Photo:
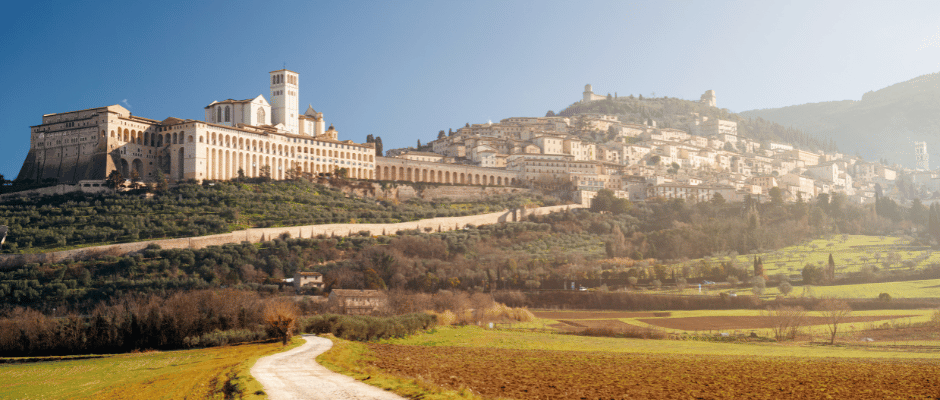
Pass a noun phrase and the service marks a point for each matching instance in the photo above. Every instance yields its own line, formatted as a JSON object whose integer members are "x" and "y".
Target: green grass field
{"x": 850, "y": 253}
{"x": 917, "y": 289}
{"x": 919, "y": 316}
{"x": 477, "y": 337}
{"x": 202, "y": 373}
{"x": 897, "y": 290}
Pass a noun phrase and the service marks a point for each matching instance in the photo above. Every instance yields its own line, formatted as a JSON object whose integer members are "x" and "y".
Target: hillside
{"x": 884, "y": 124}
{"x": 79, "y": 220}
{"x": 677, "y": 113}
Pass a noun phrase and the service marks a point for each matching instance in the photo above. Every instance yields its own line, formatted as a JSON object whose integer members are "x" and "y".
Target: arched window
{"x": 260, "y": 116}
{"x": 218, "y": 114}
{"x": 228, "y": 114}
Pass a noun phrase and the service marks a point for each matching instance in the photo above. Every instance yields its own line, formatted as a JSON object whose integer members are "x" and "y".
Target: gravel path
{"x": 295, "y": 374}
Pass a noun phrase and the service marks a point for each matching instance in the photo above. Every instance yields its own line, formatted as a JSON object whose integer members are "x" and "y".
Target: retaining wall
{"x": 8, "y": 261}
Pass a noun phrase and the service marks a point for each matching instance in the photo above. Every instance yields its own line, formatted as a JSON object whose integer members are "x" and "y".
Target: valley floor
{"x": 532, "y": 360}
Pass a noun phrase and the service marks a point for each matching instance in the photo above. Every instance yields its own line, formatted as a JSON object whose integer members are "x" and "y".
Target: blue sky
{"x": 407, "y": 69}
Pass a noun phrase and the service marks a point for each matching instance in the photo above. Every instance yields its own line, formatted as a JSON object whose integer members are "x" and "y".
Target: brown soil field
{"x": 712, "y": 323}
{"x": 597, "y": 314}
{"x": 578, "y": 325}
{"x": 907, "y": 333}
{"x": 538, "y": 374}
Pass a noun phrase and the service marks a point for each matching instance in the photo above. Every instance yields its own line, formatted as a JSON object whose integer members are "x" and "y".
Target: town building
{"x": 358, "y": 301}
{"x": 921, "y": 156}
{"x": 238, "y": 137}
{"x": 307, "y": 280}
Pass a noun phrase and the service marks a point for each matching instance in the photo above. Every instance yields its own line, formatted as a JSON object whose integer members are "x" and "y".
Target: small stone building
{"x": 357, "y": 301}
{"x": 304, "y": 280}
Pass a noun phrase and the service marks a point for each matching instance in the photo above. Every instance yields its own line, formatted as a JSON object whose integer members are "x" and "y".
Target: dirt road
{"x": 295, "y": 374}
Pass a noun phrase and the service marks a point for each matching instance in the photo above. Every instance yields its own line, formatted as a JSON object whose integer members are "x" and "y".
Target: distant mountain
{"x": 670, "y": 112}
{"x": 884, "y": 124}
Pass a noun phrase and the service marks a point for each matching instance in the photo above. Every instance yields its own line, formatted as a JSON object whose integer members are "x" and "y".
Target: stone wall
{"x": 407, "y": 191}
{"x": 58, "y": 189}
{"x": 8, "y": 261}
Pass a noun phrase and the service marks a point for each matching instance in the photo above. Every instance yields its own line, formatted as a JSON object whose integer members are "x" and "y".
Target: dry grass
{"x": 218, "y": 372}
{"x": 494, "y": 312}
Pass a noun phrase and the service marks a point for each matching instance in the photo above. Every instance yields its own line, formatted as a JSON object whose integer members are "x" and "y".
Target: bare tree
{"x": 835, "y": 312}
{"x": 786, "y": 321}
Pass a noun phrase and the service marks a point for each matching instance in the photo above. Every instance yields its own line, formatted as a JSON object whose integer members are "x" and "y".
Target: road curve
{"x": 295, "y": 374}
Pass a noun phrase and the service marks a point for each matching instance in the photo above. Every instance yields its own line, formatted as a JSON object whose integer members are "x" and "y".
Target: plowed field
{"x": 540, "y": 374}
{"x": 556, "y": 315}
{"x": 594, "y": 324}
{"x": 747, "y": 322}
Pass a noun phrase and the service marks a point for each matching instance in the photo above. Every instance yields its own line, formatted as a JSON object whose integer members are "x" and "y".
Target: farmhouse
{"x": 358, "y": 302}
{"x": 308, "y": 280}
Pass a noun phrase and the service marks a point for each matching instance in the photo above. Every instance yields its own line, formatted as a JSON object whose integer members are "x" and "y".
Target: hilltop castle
{"x": 707, "y": 98}
{"x": 249, "y": 135}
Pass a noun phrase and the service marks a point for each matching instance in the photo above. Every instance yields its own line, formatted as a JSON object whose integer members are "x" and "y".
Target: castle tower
{"x": 284, "y": 99}
{"x": 588, "y": 93}
{"x": 920, "y": 153}
{"x": 709, "y": 98}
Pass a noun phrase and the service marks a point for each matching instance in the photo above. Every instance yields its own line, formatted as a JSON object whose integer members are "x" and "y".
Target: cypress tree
{"x": 832, "y": 268}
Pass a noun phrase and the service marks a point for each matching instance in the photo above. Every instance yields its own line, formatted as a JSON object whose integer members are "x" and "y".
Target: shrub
{"x": 884, "y": 297}
{"x": 366, "y": 328}
{"x": 758, "y": 285}
{"x": 681, "y": 283}
{"x": 280, "y": 315}
{"x": 632, "y": 281}
{"x": 224, "y": 338}
{"x": 785, "y": 288}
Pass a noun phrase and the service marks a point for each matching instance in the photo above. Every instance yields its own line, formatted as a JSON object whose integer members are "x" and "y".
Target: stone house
{"x": 358, "y": 301}
{"x": 304, "y": 280}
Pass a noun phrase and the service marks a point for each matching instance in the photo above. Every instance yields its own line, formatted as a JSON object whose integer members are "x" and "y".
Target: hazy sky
{"x": 404, "y": 70}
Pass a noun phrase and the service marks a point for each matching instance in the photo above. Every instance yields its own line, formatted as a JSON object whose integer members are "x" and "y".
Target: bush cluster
{"x": 186, "y": 319}
{"x": 367, "y": 328}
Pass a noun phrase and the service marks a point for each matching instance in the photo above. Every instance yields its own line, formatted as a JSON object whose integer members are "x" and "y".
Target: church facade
{"x": 249, "y": 135}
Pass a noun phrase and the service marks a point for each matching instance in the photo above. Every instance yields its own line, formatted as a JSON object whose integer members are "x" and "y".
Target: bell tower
{"x": 284, "y": 99}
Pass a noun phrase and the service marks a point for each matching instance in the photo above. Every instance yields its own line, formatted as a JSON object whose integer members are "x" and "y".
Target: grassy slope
{"x": 905, "y": 289}
{"x": 76, "y": 220}
{"x": 201, "y": 373}
{"x": 849, "y": 257}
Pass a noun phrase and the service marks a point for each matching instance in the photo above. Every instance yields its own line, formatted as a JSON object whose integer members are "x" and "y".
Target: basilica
{"x": 251, "y": 136}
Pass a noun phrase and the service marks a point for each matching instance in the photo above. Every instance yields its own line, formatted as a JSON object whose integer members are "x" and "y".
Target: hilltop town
{"x": 573, "y": 154}
{"x": 587, "y": 152}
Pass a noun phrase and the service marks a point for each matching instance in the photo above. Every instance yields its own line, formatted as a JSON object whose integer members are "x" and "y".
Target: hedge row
{"x": 366, "y": 328}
